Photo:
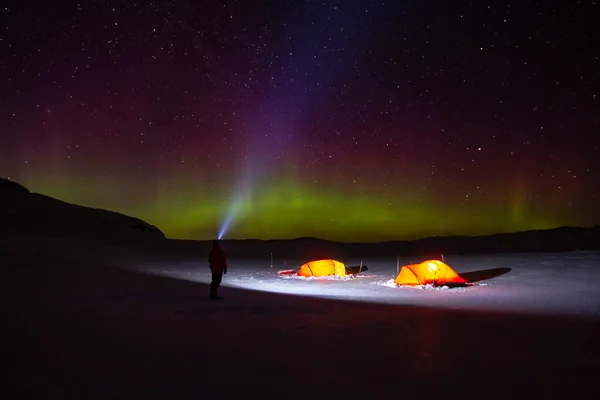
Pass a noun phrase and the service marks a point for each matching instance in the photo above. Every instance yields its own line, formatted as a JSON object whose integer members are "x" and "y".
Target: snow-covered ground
{"x": 87, "y": 321}
{"x": 542, "y": 283}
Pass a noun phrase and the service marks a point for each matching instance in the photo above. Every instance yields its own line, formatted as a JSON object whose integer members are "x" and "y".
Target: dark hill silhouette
{"x": 24, "y": 212}
{"x": 6, "y": 184}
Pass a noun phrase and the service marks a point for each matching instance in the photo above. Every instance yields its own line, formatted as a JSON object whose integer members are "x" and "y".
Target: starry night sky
{"x": 344, "y": 120}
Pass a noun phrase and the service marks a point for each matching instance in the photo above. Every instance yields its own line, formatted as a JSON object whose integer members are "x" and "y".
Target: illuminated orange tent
{"x": 428, "y": 272}
{"x": 325, "y": 267}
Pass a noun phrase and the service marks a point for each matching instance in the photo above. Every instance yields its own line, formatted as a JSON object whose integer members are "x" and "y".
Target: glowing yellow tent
{"x": 325, "y": 267}
{"x": 428, "y": 272}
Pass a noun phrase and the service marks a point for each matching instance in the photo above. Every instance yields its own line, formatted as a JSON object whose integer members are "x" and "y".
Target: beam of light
{"x": 232, "y": 212}
{"x": 288, "y": 101}
{"x": 254, "y": 171}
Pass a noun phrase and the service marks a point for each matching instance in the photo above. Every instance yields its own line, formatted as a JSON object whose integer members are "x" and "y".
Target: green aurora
{"x": 284, "y": 210}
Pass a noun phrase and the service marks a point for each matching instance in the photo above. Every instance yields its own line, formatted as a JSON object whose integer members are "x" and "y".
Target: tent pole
{"x": 397, "y": 264}
{"x": 271, "y": 260}
{"x": 360, "y": 268}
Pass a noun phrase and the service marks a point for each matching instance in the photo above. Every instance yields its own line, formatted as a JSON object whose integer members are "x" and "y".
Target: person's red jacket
{"x": 217, "y": 260}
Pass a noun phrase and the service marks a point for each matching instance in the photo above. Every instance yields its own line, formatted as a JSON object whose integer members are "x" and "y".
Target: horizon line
{"x": 592, "y": 226}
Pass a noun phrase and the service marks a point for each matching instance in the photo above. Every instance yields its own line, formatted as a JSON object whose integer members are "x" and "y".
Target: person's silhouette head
{"x": 215, "y": 243}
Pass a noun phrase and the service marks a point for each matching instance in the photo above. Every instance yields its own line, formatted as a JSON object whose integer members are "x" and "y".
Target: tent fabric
{"x": 326, "y": 267}
{"x": 428, "y": 272}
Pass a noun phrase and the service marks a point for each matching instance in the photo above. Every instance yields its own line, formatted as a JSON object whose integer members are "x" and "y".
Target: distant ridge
{"x": 25, "y": 213}
{"x": 559, "y": 239}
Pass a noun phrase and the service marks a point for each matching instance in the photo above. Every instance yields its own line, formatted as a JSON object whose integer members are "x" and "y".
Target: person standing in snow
{"x": 217, "y": 261}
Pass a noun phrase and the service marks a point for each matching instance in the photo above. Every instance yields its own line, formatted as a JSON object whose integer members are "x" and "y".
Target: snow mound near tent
{"x": 391, "y": 283}
{"x": 388, "y": 283}
{"x": 317, "y": 278}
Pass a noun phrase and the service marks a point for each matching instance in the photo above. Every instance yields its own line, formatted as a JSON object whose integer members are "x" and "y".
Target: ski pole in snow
{"x": 271, "y": 260}
{"x": 445, "y": 269}
{"x": 397, "y": 264}
{"x": 360, "y": 268}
